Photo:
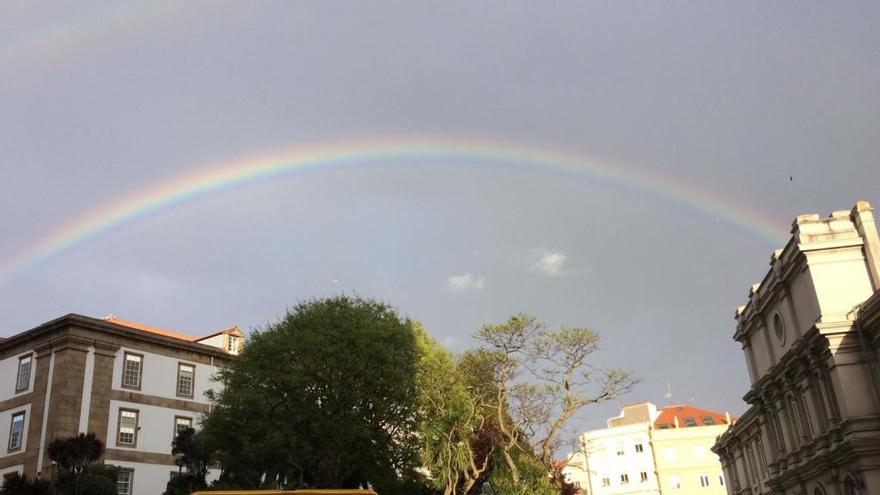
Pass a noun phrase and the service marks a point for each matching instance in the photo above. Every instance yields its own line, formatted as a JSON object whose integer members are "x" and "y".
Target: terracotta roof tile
{"x": 688, "y": 416}
{"x": 147, "y": 328}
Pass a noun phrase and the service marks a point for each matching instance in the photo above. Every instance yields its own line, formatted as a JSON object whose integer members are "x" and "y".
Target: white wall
{"x": 18, "y": 468}
{"x": 152, "y": 479}
{"x": 9, "y": 374}
{"x": 156, "y": 426}
{"x": 159, "y": 375}
{"x": 6, "y": 423}
{"x": 602, "y": 446}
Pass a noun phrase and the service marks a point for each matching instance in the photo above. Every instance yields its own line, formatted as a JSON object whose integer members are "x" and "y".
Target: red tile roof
{"x": 688, "y": 416}
{"x": 147, "y": 328}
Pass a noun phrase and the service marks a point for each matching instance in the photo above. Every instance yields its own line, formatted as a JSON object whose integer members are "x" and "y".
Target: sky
{"x": 623, "y": 166}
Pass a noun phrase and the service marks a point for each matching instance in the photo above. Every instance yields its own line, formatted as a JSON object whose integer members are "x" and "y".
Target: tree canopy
{"x": 325, "y": 397}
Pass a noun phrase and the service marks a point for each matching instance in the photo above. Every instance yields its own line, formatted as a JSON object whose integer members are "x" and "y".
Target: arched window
{"x": 779, "y": 328}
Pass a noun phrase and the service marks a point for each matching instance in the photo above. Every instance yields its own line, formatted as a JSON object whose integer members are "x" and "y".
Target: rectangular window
{"x": 233, "y": 344}
{"x": 606, "y": 481}
{"x": 698, "y": 451}
{"x": 181, "y": 423}
{"x": 123, "y": 482}
{"x": 708, "y": 421}
{"x": 127, "y": 427}
{"x": 639, "y": 448}
{"x": 669, "y": 454}
{"x": 624, "y": 479}
{"x": 690, "y": 421}
{"x": 644, "y": 476}
{"x": 185, "y": 378}
{"x": 675, "y": 482}
{"x": 721, "y": 479}
{"x": 132, "y": 370}
{"x": 620, "y": 450}
{"x": 704, "y": 480}
{"x": 23, "y": 378}
{"x": 16, "y": 431}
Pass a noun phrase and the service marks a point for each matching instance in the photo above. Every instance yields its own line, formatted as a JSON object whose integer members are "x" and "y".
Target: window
{"x": 185, "y": 378}
{"x": 620, "y": 450}
{"x": 704, "y": 480}
{"x": 779, "y": 328}
{"x": 132, "y": 370}
{"x": 181, "y": 423}
{"x": 721, "y": 479}
{"x": 233, "y": 344}
{"x": 669, "y": 454}
{"x": 23, "y": 378}
{"x": 16, "y": 431}
{"x": 624, "y": 479}
{"x": 644, "y": 476}
{"x": 127, "y": 427}
{"x": 708, "y": 420}
{"x": 606, "y": 481}
{"x": 123, "y": 482}
{"x": 663, "y": 426}
{"x": 690, "y": 421}
{"x": 698, "y": 451}
{"x": 639, "y": 448}
{"x": 675, "y": 482}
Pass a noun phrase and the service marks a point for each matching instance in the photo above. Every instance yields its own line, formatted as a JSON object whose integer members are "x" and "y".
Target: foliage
{"x": 325, "y": 397}
{"x": 94, "y": 479}
{"x": 458, "y": 429}
{"x": 16, "y": 484}
{"x": 76, "y": 452}
{"x": 193, "y": 458}
{"x": 75, "y": 458}
{"x": 542, "y": 378}
{"x": 532, "y": 479}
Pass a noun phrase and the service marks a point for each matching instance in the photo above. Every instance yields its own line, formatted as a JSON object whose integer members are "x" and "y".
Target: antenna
{"x": 668, "y": 393}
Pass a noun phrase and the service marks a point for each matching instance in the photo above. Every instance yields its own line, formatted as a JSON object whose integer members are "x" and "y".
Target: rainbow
{"x": 222, "y": 176}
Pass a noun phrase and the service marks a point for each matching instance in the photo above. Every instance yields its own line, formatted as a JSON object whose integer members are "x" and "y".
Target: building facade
{"x": 810, "y": 333}
{"x": 647, "y": 450}
{"x": 132, "y": 385}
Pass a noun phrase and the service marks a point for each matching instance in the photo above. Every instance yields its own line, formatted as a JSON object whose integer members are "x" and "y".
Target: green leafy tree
{"x": 75, "y": 458}
{"x": 16, "y": 484}
{"x": 193, "y": 459}
{"x": 325, "y": 397}
{"x": 458, "y": 428}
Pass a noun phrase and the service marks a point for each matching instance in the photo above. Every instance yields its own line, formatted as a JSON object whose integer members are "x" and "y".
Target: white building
{"x": 132, "y": 385}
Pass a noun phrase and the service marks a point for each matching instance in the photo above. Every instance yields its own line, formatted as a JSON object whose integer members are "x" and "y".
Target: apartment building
{"x": 810, "y": 334}
{"x": 132, "y": 385}
{"x": 649, "y": 451}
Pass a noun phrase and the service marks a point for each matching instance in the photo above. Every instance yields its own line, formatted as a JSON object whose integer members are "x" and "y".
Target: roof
{"x": 147, "y": 328}
{"x": 161, "y": 331}
{"x": 688, "y": 416}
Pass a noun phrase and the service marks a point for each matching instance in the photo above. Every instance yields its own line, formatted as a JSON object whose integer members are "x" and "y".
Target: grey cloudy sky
{"x": 99, "y": 101}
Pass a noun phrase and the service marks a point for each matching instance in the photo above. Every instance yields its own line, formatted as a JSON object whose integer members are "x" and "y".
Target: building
{"x": 810, "y": 333}
{"x": 647, "y": 450}
{"x": 132, "y": 385}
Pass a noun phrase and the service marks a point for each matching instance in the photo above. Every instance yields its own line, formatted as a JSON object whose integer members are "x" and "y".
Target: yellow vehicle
{"x": 290, "y": 492}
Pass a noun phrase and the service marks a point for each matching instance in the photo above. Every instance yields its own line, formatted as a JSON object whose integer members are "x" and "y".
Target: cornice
{"x": 70, "y": 322}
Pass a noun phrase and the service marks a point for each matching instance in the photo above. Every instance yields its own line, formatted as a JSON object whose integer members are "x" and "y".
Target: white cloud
{"x": 465, "y": 282}
{"x": 549, "y": 262}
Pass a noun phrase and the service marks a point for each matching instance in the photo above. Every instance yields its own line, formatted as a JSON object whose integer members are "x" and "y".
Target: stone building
{"x": 648, "y": 451}
{"x": 810, "y": 332}
{"x": 133, "y": 385}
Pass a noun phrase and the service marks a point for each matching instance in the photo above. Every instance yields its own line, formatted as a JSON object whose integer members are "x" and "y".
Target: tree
{"x": 16, "y": 484}
{"x": 458, "y": 430}
{"x": 193, "y": 459}
{"x": 78, "y": 473}
{"x": 325, "y": 397}
{"x": 542, "y": 378}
